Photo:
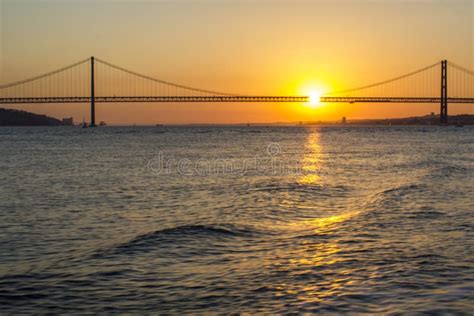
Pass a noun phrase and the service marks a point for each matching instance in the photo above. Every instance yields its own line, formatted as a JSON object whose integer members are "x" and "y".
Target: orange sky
{"x": 246, "y": 47}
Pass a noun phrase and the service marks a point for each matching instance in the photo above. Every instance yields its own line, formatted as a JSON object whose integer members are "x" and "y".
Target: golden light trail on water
{"x": 313, "y": 255}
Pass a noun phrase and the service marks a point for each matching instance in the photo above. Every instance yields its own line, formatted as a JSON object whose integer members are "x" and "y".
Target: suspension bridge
{"x": 93, "y": 80}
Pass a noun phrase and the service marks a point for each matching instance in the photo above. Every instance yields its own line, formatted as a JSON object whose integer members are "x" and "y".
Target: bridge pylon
{"x": 443, "y": 113}
{"x": 92, "y": 94}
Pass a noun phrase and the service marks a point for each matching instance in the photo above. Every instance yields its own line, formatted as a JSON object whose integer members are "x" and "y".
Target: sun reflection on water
{"x": 319, "y": 262}
{"x": 316, "y": 269}
{"x": 311, "y": 162}
{"x": 325, "y": 222}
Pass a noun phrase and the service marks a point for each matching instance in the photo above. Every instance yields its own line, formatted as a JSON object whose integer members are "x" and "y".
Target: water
{"x": 237, "y": 219}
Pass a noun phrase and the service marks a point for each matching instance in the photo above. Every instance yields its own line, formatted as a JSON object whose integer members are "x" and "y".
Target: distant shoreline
{"x": 11, "y": 117}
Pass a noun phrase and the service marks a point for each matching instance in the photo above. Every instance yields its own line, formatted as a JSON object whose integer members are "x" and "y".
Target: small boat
{"x": 459, "y": 124}
{"x": 84, "y": 124}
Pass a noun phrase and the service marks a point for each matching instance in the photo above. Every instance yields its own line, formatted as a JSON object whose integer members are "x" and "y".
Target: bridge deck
{"x": 392, "y": 99}
{"x": 157, "y": 99}
{"x": 112, "y": 99}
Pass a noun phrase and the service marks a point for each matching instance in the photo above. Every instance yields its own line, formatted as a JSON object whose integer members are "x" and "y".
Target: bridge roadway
{"x": 109, "y": 99}
{"x": 392, "y": 99}
{"x": 112, "y": 99}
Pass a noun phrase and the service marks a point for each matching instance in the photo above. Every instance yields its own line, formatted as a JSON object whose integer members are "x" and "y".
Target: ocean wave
{"x": 395, "y": 194}
{"x": 186, "y": 235}
{"x": 195, "y": 230}
{"x": 249, "y": 131}
{"x": 449, "y": 170}
{"x": 401, "y": 190}
{"x": 391, "y": 201}
{"x": 301, "y": 188}
{"x": 426, "y": 214}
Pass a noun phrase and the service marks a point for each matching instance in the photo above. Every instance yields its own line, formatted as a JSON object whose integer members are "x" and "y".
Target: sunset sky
{"x": 244, "y": 47}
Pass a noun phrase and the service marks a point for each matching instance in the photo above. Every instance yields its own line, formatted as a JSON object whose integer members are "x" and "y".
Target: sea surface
{"x": 226, "y": 219}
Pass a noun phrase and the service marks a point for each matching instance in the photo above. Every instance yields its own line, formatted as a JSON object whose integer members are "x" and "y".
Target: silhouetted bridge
{"x": 96, "y": 81}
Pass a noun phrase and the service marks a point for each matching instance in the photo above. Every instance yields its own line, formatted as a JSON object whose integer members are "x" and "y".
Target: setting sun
{"x": 314, "y": 96}
{"x": 314, "y": 89}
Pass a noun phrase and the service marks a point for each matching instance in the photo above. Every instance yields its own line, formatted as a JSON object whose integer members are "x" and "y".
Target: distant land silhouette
{"x": 9, "y": 117}
{"x": 432, "y": 119}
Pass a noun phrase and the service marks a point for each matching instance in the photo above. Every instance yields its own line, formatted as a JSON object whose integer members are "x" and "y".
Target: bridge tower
{"x": 92, "y": 94}
{"x": 443, "y": 113}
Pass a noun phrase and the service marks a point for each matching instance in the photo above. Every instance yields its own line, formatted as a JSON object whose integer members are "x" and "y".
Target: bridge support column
{"x": 443, "y": 113}
{"x": 92, "y": 94}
